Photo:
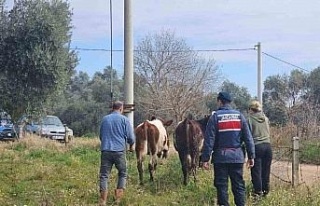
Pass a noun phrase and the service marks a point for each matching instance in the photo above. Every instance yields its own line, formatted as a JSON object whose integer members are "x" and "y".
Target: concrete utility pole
{"x": 128, "y": 61}
{"x": 259, "y": 77}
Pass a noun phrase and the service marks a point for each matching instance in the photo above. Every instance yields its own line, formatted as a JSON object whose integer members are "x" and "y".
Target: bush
{"x": 310, "y": 153}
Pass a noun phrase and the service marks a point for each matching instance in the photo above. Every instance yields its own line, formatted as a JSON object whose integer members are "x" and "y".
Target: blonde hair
{"x": 255, "y": 105}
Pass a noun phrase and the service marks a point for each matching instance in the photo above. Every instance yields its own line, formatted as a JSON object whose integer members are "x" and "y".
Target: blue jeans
{"x": 108, "y": 159}
{"x": 222, "y": 173}
{"x": 260, "y": 172}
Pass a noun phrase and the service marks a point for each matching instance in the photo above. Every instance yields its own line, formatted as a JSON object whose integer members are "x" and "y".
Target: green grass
{"x": 310, "y": 152}
{"x": 37, "y": 171}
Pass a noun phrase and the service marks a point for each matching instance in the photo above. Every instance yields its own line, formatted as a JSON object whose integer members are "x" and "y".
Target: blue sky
{"x": 287, "y": 29}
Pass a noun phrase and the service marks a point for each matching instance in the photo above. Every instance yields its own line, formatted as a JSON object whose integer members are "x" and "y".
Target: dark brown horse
{"x": 188, "y": 141}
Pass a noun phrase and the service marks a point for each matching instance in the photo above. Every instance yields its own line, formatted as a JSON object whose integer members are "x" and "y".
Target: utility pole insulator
{"x": 127, "y": 108}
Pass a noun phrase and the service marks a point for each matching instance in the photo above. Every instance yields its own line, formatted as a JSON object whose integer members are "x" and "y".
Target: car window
{"x": 5, "y": 121}
{"x": 35, "y": 122}
{"x": 4, "y": 115}
{"x": 51, "y": 121}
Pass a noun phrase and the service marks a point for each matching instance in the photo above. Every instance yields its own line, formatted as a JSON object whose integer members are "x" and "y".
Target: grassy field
{"x": 38, "y": 171}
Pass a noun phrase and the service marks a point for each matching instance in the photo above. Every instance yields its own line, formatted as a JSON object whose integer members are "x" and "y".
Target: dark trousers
{"x": 260, "y": 173}
{"x": 222, "y": 173}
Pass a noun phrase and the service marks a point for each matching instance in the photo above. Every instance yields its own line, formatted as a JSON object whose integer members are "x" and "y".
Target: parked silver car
{"x": 51, "y": 127}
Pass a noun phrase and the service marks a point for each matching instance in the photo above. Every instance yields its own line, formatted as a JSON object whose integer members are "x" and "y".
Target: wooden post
{"x": 295, "y": 161}
{"x": 21, "y": 131}
{"x": 66, "y": 138}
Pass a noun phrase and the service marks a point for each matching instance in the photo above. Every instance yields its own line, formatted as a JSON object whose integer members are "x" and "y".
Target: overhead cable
{"x": 283, "y": 61}
{"x": 191, "y": 50}
{"x": 194, "y": 50}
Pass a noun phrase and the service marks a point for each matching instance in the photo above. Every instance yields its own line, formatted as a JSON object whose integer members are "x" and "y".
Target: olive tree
{"x": 35, "y": 57}
{"x": 3, "y": 33}
{"x": 241, "y": 96}
{"x": 314, "y": 85}
{"x": 275, "y": 97}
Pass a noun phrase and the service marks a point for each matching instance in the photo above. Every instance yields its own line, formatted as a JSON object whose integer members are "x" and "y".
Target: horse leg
{"x": 195, "y": 162}
{"x": 184, "y": 166}
{"x": 140, "y": 169}
{"x": 152, "y": 166}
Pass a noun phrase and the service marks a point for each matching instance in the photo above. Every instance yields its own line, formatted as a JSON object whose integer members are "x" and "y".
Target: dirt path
{"x": 308, "y": 174}
{"x": 282, "y": 172}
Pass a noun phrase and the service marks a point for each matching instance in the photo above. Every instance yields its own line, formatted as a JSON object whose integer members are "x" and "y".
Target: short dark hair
{"x": 117, "y": 105}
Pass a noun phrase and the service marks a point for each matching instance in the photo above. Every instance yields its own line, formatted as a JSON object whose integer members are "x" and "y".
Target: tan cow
{"x": 152, "y": 140}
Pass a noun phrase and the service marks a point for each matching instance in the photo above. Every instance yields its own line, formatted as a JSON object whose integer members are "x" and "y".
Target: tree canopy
{"x": 35, "y": 56}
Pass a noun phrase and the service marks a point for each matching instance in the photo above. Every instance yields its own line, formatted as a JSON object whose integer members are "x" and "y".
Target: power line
{"x": 197, "y": 50}
{"x": 223, "y": 50}
{"x": 97, "y": 49}
{"x": 283, "y": 61}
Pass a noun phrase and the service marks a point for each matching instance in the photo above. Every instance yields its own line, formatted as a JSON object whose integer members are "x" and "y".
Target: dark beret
{"x": 225, "y": 96}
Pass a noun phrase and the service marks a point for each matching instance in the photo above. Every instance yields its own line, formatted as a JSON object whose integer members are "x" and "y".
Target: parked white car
{"x": 51, "y": 127}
